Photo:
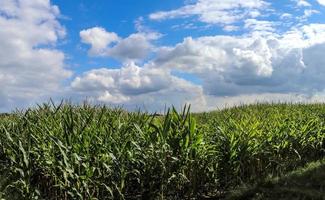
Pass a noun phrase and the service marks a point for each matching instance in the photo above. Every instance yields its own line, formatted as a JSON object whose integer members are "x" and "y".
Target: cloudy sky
{"x": 153, "y": 54}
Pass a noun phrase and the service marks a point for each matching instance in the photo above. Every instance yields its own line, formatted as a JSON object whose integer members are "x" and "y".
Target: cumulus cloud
{"x": 252, "y": 64}
{"x": 132, "y": 48}
{"x": 30, "y": 66}
{"x": 217, "y": 53}
{"x": 129, "y": 80}
{"x": 321, "y": 2}
{"x": 215, "y": 12}
{"x": 135, "y": 87}
{"x": 99, "y": 39}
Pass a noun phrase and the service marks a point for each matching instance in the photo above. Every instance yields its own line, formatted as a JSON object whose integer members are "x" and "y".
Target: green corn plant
{"x": 68, "y": 151}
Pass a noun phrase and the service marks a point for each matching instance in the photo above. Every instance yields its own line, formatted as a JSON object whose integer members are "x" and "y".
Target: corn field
{"x": 71, "y": 151}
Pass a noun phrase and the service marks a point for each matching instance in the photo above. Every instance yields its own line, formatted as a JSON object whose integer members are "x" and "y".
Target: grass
{"x": 94, "y": 152}
{"x": 304, "y": 183}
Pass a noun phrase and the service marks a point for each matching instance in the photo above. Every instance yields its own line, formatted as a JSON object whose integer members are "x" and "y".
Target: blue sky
{"x": 153, "y": 54}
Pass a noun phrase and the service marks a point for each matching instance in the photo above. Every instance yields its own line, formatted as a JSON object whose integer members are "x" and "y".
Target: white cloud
{"x": 30, "y": 66}
{"x": 132, "y": 48}
{"x": 134, "y": 86}
{"x": 309, "y": 12}
{"x": 230, "y": 28}
{"x": 303, "y": 3}
{"x": 216, "y": 53}
{"x": 129, "y": 80}
{"x": 259, "y": 26}
{"x": 321, "y": 2}
{"x": 215, "y": 12}
{"x": 99, "y": 39}
{"x": 253, "y": 64}
{"x": 286, "y": 16}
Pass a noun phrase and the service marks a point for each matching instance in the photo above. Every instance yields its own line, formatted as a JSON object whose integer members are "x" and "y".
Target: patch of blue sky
{"x": 187, "y": 76}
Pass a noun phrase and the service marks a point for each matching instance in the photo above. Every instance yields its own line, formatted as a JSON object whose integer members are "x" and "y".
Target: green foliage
{"x": 94, "y": 152}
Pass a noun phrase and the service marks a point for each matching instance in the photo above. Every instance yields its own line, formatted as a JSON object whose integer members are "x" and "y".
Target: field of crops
{"x": 94, "y": 152}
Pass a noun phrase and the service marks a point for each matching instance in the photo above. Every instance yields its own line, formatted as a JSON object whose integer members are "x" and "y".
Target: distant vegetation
{"x": 94, "y": 152}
